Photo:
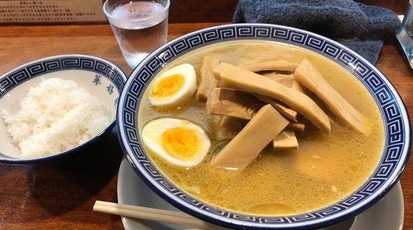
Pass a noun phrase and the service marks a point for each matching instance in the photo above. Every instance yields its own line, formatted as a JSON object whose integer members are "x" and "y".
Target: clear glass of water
{"x": 140, "y": 26}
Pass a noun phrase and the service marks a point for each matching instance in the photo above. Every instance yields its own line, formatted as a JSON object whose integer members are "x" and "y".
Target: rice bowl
{"x": 93, "y": 84}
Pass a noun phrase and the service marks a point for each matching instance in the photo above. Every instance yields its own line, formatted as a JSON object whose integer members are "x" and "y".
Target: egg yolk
{"x": 182, "y": 143}
{"x": 168, "y": 86}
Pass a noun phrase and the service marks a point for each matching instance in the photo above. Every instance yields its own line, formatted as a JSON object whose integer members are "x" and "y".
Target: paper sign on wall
{"x": 51, "y": 11}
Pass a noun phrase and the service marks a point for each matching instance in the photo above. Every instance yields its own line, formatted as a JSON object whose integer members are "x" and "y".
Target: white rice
{"x": 55, "y": 116}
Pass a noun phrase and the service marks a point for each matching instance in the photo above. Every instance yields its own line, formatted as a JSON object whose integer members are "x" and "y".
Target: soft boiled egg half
{"x": 174, "y": 87}
{"x": 180, "y": 142}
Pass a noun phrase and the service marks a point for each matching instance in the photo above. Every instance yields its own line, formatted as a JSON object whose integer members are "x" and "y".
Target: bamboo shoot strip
{"x": 254, "y": 137}
{"x": 233, "y": 103}
{"x": 271, "y": 65}
{"x": 207, "y": 81}
{"x": 308, "y": 76}
{"x": 231, "y": 76}
{"x": 286, "y": 140}
{"x": 284, "y": 110}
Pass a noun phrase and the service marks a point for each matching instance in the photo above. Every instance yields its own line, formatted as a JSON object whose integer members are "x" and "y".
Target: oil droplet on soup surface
{"x": 272, "y": 209}
{"x": 324, "y": 170}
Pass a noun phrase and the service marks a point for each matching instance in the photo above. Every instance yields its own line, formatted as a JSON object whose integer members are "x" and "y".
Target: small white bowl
{"x": 100, "y": 77}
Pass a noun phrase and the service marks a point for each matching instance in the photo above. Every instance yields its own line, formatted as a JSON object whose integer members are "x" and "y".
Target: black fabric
{"x": 360, "y": 27}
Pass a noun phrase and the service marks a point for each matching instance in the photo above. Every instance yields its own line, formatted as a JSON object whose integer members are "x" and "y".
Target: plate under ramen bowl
{"x": 397, "y": 131}
{"x": 99, "y": 77}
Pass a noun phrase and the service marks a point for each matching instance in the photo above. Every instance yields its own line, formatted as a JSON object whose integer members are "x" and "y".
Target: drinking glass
{"x": 139, "y": 26}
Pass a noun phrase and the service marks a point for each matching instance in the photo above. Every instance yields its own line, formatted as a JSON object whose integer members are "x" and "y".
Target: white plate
{"x": 386, "y": 214}
{"x": 397, "y": 138}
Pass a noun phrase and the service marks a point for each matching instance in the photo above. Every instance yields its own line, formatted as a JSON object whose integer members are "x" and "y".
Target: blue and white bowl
{"x": 100, "y": 77}
{"x": 395, "y": 118}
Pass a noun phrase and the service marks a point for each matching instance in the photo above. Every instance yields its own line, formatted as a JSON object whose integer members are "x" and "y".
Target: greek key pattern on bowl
{"x": 365, "y": 72}
{"x": 47, "y": 65}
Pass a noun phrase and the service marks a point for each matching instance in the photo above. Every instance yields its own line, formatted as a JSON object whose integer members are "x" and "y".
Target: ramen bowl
{"x": 91, "y": 76}
{"x": 392, "y": 156}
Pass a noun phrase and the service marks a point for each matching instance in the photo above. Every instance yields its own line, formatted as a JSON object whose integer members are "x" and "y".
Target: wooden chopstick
{"x": 153, "y": 214}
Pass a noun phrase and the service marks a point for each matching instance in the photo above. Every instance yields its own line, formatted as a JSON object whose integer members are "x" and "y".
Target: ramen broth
{"x": 324, "y": 170}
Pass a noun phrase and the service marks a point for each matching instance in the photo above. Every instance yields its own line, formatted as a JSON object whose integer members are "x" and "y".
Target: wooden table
{"x": 60, "y": 194}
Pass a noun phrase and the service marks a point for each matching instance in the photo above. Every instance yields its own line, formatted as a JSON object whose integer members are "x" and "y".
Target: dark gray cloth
{"x": 360, "y": 27}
